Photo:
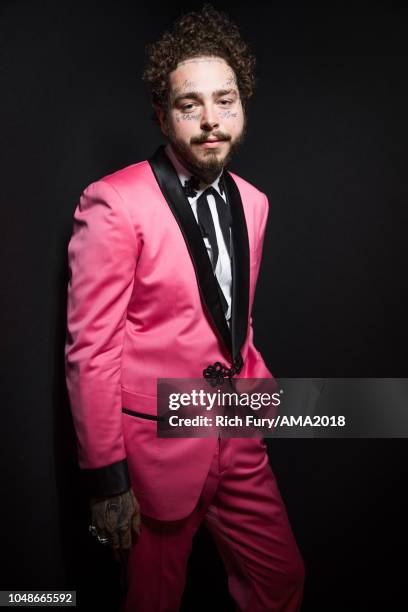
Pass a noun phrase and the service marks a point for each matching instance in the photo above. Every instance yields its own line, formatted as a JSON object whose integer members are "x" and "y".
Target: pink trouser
{"x": 242, "y": 508}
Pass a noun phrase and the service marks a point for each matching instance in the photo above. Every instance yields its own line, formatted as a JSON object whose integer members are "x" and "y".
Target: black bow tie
{"x": 192, "y": 185}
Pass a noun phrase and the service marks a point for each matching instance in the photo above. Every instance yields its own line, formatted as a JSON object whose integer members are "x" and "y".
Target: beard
{"x": 209, "y": 168}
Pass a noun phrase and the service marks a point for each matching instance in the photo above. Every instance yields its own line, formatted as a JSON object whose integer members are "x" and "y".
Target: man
{"x": 164, "y": 259}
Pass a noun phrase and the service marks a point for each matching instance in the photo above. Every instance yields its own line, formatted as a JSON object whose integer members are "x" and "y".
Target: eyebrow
{"x": 196, "y": 95}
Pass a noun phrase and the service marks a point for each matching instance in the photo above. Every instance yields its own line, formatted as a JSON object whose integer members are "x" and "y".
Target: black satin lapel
{"x": 240, "y": 265}
{"x": 171, "y": 188}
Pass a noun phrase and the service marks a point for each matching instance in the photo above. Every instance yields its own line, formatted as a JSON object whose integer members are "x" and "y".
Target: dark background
{"x": 327, "y": 142}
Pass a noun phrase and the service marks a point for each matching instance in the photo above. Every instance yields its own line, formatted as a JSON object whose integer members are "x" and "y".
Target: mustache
{"x": 205, "y": 137}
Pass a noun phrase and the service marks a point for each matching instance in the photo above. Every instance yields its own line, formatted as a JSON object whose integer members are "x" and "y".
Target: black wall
{"x": 327, "y": 141}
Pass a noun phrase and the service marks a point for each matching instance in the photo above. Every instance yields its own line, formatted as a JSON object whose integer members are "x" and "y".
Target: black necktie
{"x": 206, "y": 222}
{"x": 205, "y": 219}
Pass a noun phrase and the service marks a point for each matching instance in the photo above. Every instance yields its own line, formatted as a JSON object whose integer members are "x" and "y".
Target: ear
{"x": 161, "y": 115}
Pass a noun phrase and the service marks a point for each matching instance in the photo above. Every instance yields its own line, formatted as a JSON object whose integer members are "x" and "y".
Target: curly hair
{"x": 208, "y": 32}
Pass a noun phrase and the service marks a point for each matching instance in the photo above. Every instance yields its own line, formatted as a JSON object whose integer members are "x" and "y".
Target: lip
{"x": 211, "y": 143}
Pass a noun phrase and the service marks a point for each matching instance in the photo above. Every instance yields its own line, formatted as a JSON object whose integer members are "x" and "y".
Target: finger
{"x": 121, "y": 550}
{"x": 99, "y": 520}
{"x": 136, "y": 521}
{"x": 114, "y": 542}
{"x": 136, "y": 525}
{"x": 121, "y": 556}
{"x": 125, "y": 535}
{"x": 116, "y": 555}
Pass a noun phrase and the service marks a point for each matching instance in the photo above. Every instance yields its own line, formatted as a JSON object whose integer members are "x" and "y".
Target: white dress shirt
{"x": 223, "y": 267}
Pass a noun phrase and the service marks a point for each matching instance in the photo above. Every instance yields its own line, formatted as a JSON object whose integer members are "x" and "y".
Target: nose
{"x": 209, "y": 120}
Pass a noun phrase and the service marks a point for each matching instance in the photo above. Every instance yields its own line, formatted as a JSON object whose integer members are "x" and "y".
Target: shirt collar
{"x": 184, "y": 174}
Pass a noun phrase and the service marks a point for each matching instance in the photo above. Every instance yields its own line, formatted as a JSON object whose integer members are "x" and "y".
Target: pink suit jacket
{"x": 142, "y": 305}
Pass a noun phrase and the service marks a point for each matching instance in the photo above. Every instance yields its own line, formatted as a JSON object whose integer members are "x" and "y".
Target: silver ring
{"x": 103, "y": 540}
{"x": 93, "y": 531}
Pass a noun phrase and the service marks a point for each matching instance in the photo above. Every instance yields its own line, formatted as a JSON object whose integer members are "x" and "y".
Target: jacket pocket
{"x": 142, "y": 415}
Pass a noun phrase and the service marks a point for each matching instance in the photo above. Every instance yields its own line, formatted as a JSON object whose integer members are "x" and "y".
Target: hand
{"x": 117, "y": 518}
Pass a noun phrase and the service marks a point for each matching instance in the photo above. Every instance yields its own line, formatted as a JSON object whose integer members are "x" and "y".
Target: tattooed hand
{"x": 118, "y": 519}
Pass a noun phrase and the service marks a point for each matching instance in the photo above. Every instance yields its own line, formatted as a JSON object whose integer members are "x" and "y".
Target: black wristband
{"x": 108, "y": 480}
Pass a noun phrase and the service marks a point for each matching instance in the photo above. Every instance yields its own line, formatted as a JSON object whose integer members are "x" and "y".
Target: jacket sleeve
{"x": 260, "y": 368}
{"x": 102, "y": 255}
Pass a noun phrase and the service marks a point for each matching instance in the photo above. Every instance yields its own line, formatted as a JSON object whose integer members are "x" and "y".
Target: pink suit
{"x": 142, "y": 305}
